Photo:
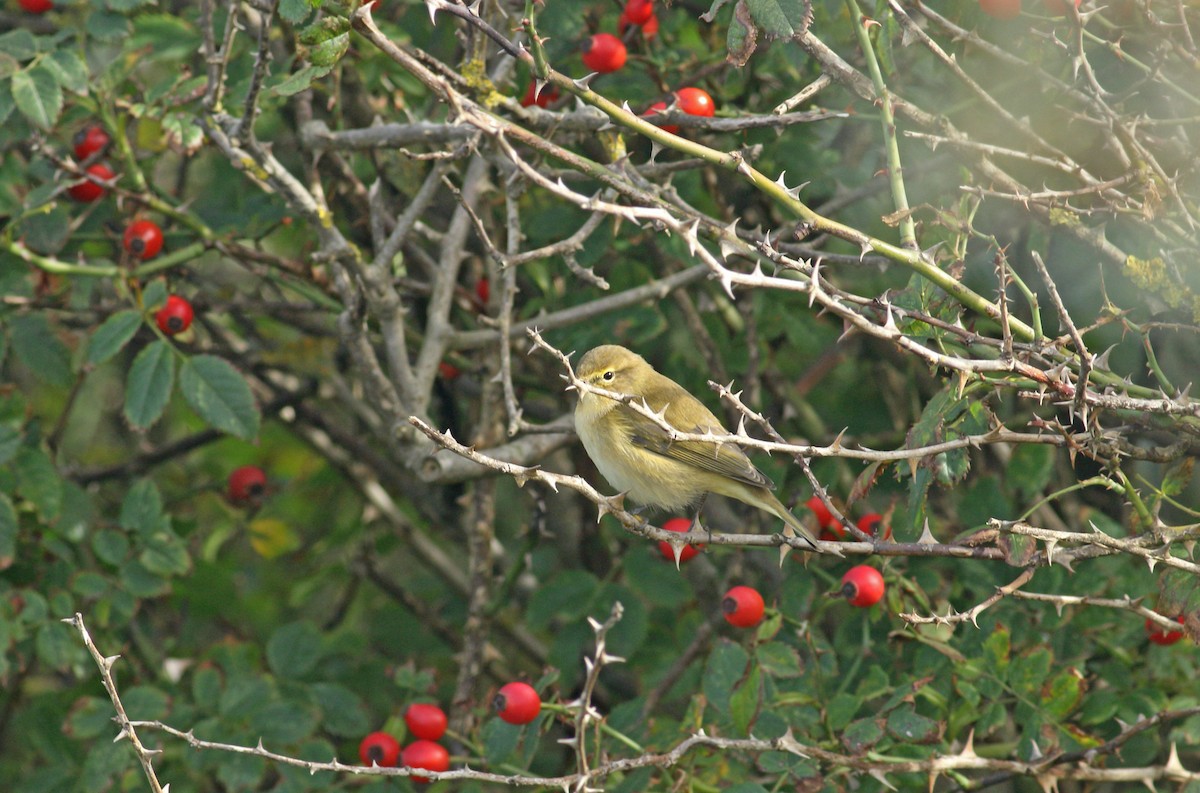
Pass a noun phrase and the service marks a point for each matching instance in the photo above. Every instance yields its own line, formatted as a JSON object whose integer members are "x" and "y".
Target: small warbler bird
{"x": 639, "y": 458}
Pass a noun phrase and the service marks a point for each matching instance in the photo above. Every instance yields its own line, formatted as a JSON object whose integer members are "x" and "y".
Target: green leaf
{"x": 779, "y": 660}
{"x": 38, "y": 481}
{"x": 294, "y": 649}
{"x": 165, "y": 555}
{"x": 500, "y": 740}
{"x": 1029, "y": 671}
{"x": 295, "y": 11}
{"x": 841, "y": 709}
{"x": 10, "y": 441}
{"x": 148, "y": 386}
{"x": 39, "y": 348}
{"x": 1063, "y": 693}
{"x": 140, "y": 582}
{"x": 110, "y": 546}
{"x": 142, "y": 508}
{"x": 997, "y": 646}
{"x": 301, "y": 80}
{"x": 162, "y": 37}
{"x": 565, "y": 595}
{"x": 70, "y": 70}
{"x": 861, "y": 735}
{"x": 345, "y": 714}
{"x": 38, "y": 95}
{"x": 112, "y": 336}
{"x": 905, "y": 724}
{"x": 127, "y": 5}
{"x": 154, "y": 296}
{"x": 107, "y": 25}
{"x": 243, "y": 696}
{"x": 145, "y": 703}
{"x": 742, "y": 36}
{"x": 89, "y": 585}
{"x": 1030, "y": 469}
{"x": 724, "y": 669}
{"x": 206, "y": 687}
{"x": 328, "y": 40}
{"x": 743, "y": 705}
{"x": 220, "y": 395}
{"x": 284, "y": 722}
{"x": 782, "y": 18}
{"x": 56, "y": 644}
{"x": 90, "y": 716}
{"x": 8, "y": 533}
{"x": 7, "y": 103}
{"x": 19, "y": 43}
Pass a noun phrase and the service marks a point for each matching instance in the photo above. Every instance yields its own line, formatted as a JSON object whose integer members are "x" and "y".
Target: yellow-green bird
{"x": 638, "y": 457}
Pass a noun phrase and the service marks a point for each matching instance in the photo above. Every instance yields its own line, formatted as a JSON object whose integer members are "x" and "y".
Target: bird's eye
{"x": 609, "y": 375}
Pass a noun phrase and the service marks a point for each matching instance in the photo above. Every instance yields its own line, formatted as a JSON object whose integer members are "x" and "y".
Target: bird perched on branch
{"x": 638, "y": 456}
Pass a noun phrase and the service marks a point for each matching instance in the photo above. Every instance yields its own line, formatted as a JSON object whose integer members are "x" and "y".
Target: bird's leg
{"x": 637, "y": 511}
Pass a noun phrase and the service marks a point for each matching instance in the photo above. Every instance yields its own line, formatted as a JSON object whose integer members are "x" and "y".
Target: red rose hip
{"x": 1160, "y": 635}
{"x": 639, "y": 11}
{"x": 90, "y": 140}
{"x": 604, "y": 53}
{"x": 143, "y": 239}
{"x": 87, "y": 191}
{"x": 426, "y": 755}
{"x": 743, "y": 607}
{"x": 681, "y": 525}
{"x": 517, "y": 703}
{"x": 246, "y": 485}
{"x": 175, "y": 316}
{"x": 862, "y": 585}
{"x": 379, "y": 749}
{"x": 695, "y": 101}
{"x": 425, "y": 721}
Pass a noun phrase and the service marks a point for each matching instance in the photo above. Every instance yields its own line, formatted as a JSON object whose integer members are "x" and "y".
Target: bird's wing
{"x": 725, "y": 459}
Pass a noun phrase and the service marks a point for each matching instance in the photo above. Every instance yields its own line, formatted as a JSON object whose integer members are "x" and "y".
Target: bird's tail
{"x": 793, "y": 522}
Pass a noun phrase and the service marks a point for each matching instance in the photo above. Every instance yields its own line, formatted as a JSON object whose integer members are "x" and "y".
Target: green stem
{"x": 55, "y": 266}
{"x": 1159, "y": 375}
{"x": 908, "y": 228}
{"x": 1095, "y": 480}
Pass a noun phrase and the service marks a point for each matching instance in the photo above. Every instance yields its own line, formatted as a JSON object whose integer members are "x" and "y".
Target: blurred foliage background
{"x": 340, "y": 286}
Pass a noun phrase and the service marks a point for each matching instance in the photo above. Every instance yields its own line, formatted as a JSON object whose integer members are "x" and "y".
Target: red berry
{"x": 862, "y": 586}
{"x": 654, "y": 110}
{"x": 871, "y": 523}
{"x": 425, "y": 755}
{"x": 664, "y": 547}
{"x": 143, "y": 239}
{"x": 246, "y": 485}
{"x": 175, "y": 316}
{"x": 36, "y": 6}
{"x": 743, "y": 607}
{"x": 639, "y": 11}
{"x": 649, "y": 27}
{"x": 824, "y": 518}
{"x": 425, "y": 721}
{"x": 549, "y": 94}
{"x": 832, "y": 533}
{"x": 379, "y": 749}
{"x": 448, "y": 371}
{"x": 604, "y": 53}
{"x": 483, "y": 290}
{"x": 90, "y": 140}
{"x": 695, "y": 101}
{"x": 517, "y": 703}
{"x": 1160, "y": 635}
{"x": 1001, "y": 9}
{"x": 87, "y": 191}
